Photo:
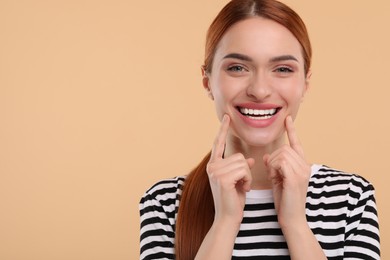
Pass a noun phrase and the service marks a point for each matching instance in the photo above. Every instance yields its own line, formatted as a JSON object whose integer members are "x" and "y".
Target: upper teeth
{"x": 257, "y": 112}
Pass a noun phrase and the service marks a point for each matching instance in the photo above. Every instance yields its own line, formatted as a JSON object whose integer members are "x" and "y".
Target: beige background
{"x": 100, "y": 99}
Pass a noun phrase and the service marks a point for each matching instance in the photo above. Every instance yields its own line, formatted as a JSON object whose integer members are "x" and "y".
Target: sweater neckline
{"x": 261, "y": 194}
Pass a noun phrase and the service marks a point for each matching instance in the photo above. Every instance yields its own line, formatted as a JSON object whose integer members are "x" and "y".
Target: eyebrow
{"x": 283, "y": 58}
{"x": 247, "y": 58}
{"x": 238, "y": 56}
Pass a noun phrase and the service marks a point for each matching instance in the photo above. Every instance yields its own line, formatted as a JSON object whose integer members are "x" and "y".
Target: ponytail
{"x": 196, "y": 212}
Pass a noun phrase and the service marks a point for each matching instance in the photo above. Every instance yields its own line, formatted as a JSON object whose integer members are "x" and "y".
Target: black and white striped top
{"x": 340, "y": 209}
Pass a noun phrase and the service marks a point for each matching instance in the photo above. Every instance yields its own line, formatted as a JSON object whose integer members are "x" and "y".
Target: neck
{"x": 259, "y": 171}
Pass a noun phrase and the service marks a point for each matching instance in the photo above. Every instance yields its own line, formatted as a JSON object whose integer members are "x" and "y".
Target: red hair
{"x": 196, "y": 210}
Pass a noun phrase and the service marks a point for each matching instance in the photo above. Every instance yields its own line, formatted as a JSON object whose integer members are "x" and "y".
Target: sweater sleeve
{"x": 362, "y": 233}
{"x": 158, "y": 208}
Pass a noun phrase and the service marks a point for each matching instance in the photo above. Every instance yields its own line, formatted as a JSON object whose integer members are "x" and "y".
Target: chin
{"x": 258, "y": 138}
{"x": 260, "y": 142}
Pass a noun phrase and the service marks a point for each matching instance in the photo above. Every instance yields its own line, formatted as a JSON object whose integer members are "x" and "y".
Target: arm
{"x": 290, "y": 174}
{"x": 156, "y": 232}
{"x": 362, "y": 232}
{"x": 302, "y": 243}
{"x": 230, "y": 178}
{"x": 219, "y": 242}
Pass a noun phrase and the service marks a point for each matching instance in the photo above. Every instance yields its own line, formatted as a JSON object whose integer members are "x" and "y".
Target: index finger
{"x": 220, "y": 139}
{"x": 295, "y": 144}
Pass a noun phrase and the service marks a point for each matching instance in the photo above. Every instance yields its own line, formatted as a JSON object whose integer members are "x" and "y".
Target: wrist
{"x": 302, "y": 243}
{"x": 293, "y": 222}
{"x": 230, "y": 220}
{"x": 297, "y": 229}
{"x": 219, "y": 241}
{"x": 226, "y": 227}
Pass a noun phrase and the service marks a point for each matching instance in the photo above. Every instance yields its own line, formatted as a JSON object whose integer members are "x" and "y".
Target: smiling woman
{"x": 246, "y": 77}
{"x": 255, "y": 196}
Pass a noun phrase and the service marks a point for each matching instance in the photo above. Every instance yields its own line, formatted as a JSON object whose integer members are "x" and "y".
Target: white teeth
{"x": 259, "y": 117}
{"x": 264, "y": 113}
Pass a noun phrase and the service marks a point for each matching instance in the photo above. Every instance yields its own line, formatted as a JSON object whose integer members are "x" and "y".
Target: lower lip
{"x": 258, "y": 123}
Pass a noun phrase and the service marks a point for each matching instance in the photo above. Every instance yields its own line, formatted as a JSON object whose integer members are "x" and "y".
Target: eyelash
{"x": 239, "y": 68}
{"x": 236, "y": 68}
{"x": 284, "y": 69}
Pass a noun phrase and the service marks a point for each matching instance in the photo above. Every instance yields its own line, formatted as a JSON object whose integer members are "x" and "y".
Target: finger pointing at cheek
{"x": 220, "y": 140}
{"x": 295, "y": 144}
{"x": 229, "y": 177}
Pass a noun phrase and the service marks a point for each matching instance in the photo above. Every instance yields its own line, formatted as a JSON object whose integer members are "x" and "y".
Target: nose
{"x": 259, "y": 87}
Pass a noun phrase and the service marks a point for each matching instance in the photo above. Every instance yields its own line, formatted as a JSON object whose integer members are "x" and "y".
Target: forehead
{"x": 259, "y": 38}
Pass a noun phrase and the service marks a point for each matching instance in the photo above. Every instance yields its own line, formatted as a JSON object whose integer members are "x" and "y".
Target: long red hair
{"x": 196, "y": 210}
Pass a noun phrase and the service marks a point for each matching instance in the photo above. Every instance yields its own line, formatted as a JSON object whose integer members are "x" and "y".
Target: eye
{"x": 236, "y": 68}
{"x": 284, "y": 69}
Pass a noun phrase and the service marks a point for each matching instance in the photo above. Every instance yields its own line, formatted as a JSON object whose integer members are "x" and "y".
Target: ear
{"x": 206, "y": 83}
{"x": 307, "y": 84}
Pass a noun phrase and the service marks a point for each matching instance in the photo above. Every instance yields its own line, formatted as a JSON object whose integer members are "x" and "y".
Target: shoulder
{"x": 335, "y": 184}
{"x": 325, "y": 175}
{"x": 343, "y": 204}
{"x": 165, "y": 188}
{"x": 165, "y": 194}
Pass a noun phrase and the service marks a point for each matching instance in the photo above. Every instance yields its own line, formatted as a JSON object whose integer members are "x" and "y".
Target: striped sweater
{"x": 340, "y": 210}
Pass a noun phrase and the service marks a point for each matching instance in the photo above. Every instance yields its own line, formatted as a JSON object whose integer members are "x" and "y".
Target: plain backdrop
{"x": 99, "y": 99}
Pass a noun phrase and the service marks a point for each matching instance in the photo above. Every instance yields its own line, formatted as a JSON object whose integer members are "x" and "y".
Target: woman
{"x": 255, "y": 196}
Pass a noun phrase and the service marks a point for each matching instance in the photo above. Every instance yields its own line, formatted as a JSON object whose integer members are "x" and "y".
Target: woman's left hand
{"x": 289, "y": 173}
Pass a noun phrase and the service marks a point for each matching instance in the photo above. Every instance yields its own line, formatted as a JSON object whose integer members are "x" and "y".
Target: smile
{"x": 258, "y": 114}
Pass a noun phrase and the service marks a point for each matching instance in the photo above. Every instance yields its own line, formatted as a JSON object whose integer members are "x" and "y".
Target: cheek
{"x": 221, "y": 89}
{"x": 294, "y": 91}
{"x": 292, "y": 94}
{"x": 220, "y": 102}
{"x": 219, "y": 98}
{"x": 295, "y": 99}
{"x": 224, "y": 93}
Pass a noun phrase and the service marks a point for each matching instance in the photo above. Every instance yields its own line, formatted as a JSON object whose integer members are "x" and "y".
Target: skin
{"x": 249, "y": 156}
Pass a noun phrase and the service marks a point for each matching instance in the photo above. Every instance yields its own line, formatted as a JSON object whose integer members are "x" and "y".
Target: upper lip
{"x": 258, "y": 106}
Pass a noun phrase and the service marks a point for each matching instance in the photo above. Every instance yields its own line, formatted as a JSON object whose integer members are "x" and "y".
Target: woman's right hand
{"x": 230, "y": 178}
